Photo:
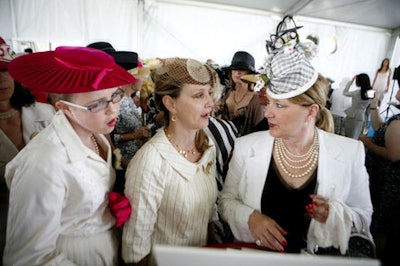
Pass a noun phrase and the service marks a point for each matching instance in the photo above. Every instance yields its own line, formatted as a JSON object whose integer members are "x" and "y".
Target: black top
{"x": 286, "y": 205}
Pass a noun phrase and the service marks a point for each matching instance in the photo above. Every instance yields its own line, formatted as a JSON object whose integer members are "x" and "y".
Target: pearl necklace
{"x": 182, "y": 152}
{"x": 284, "y": 157}
{"x": 96, "y": 146}
{"x": 8, "y": 114}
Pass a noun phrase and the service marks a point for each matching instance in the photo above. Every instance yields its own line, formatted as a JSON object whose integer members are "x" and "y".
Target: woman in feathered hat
{"x": 171, "y": 179}
{"x": 59, "y": 182}
{"x": 297, "y": 186}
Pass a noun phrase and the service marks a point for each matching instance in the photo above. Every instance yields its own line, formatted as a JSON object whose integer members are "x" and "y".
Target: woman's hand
{"x": 365, "y": 140}
{"x": 318, "y": 209}
{"x": 267, "y": 232}
{"x": 120, "y": 207}
{"x": 144, "y": 132}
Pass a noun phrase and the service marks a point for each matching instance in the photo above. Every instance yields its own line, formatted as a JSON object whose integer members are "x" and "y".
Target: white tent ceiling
{"x": 383, "y": 14}
{"x": 365, "y": 31}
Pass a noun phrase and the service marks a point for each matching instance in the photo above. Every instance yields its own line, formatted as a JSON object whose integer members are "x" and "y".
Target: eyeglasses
{"x": 100, "y": 104}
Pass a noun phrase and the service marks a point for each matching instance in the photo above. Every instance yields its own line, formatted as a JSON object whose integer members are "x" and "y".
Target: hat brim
{"x": 241, "y": 68}
{"x": 3, "y": 65}
{"x": 69, "y": 70}
{"x": 127, "y": 60}
{"x": 293, "y": 93}
{"x": 250, "y": 78}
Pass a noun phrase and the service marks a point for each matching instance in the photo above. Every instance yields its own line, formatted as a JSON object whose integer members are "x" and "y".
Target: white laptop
{"x": 191, "y": 256}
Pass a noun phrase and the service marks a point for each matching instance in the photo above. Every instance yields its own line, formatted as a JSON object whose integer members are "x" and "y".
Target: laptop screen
{"x": 198, "y": 256}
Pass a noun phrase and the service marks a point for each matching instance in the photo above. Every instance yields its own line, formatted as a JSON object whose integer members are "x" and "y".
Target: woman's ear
{"x": 169, "y": 103}
{"x": 313, "y": 110}
{"x": 62, "y": 106}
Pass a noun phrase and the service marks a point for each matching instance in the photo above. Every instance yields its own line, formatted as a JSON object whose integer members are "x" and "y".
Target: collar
{"x": 73, "y": 145}
{"x": 182, "y": 166}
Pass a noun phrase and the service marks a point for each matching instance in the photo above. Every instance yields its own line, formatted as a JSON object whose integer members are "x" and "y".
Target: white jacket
{"x": 341, "y": 175}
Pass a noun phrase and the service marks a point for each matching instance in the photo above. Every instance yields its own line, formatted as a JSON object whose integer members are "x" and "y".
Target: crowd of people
{"x": 126, "y": 154}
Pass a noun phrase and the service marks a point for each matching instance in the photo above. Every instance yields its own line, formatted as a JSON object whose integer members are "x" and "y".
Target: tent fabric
{"x": 202, "y": 31}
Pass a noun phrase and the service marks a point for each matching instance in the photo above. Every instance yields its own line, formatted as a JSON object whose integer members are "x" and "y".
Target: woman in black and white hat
{"x": 297, "y": 186}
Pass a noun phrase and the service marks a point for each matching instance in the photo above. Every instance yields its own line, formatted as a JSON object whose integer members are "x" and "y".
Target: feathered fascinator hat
{"x": 69, "y": 70}
{"x": 289, "y": 71}
{"x": 5, "y": 54}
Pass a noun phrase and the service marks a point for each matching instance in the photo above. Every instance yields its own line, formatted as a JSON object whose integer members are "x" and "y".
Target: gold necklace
{"x": 182, "y": 152}
{"x": 284, "y": 158}
{"x": 96, "y": 146}
{"x": 8, "y": 114}
{"x": 234, "y": 97}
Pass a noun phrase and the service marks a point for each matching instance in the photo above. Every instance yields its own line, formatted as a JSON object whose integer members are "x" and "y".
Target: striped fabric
{"x": 223, "y": 133}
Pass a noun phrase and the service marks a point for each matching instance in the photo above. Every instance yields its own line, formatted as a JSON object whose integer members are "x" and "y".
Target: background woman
{"x": 355, "y": 115}
{"x": 21, "y": 118}
{"x": 170, "y": 181}
{"x": 383, "y": 165}
{"x": 382, "y": 79}
{"x": 242, "y": 106}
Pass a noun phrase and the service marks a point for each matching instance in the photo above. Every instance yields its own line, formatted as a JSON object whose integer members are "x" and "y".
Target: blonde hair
{"x": 317, "y": 94}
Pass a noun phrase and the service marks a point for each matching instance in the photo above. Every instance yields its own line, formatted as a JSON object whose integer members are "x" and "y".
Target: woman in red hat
{"x": 59, "y": 183}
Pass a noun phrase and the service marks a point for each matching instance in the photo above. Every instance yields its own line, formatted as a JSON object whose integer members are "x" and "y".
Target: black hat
{"x": 104, "y": 46}
{"x": 125, "y": 59}
{"x": 243, "y": 61}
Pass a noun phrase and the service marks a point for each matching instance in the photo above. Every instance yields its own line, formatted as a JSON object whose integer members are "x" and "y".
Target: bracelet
{"x": 373, "y": 108}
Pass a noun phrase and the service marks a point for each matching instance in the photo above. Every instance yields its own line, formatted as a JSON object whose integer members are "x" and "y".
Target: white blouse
{"x": 172, "y": 199}
{"x": 58, "y": 188}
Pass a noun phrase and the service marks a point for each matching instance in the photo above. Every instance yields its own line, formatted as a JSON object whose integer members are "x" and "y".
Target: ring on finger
{"x": 258, "y": 242}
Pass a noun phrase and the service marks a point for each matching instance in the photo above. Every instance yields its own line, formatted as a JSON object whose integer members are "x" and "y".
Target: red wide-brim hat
{"x": 69, "y": 70}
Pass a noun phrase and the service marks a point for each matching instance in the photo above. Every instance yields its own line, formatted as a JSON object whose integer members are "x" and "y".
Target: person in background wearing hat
{"x": 356, "y": 114}
{"x": 296, "y": 186}
{"x": 241, "y": 104}
{"x": 129, "y": 130}
{"x": 59, "y": 183}
{"x": 170, "y": 182}
{"x": 21, "y": 118}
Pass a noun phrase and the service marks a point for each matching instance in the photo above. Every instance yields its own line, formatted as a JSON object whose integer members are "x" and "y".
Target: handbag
{"x": 360, "y": 245}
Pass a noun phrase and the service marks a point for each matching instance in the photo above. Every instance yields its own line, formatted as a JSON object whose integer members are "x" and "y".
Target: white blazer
{"x": 341, "y": 175}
